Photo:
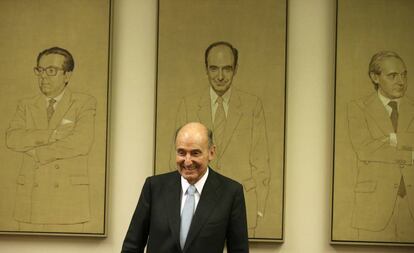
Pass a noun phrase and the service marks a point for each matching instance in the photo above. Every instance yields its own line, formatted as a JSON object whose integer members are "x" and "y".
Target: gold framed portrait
{"x": 55, "y": 94}
{"x": 373, "y": 178}
{"x": 250, "y": 145}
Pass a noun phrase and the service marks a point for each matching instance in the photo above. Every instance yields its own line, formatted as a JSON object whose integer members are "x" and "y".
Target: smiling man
{"x": 193, "y": 209}
{"x": 238, "y": 121}
{"x": 381, "y": 128}
{"x": 54, "y": 132}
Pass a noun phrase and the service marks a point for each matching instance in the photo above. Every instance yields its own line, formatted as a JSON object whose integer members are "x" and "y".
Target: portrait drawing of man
{"x": 381, "y": 128}
{"x": 54, "y": 132}
{"x": 238, "y": 121}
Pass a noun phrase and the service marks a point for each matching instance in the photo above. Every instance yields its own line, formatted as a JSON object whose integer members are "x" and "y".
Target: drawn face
{"x": 392, "y": 81}
{"x": 220, "y": 68}
{"x": 51, "y": 76}
{"x": 192, "y": 152}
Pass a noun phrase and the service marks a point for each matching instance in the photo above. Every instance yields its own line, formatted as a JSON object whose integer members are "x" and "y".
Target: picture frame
{"x": 252, "y": 149}
{"x": 372, "y": 182}
{"x": 55, "y": 100}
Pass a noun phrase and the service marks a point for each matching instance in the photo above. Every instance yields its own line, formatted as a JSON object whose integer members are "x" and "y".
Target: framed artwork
{"x": 373, "y": 176}
{"x": 250, "y": 82}
{"x": 55, "y": 94}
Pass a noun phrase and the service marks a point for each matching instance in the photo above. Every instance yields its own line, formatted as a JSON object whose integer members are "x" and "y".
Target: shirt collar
{"x": 214, "y": 96}
{"x": 57, "y": 98}
{"x": 385, "y": 100}
{"x": 198, "y": 185}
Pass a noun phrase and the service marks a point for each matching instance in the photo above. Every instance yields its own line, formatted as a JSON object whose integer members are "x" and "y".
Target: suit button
{"x": 56, "y": 185}
{"x": 57, "y": 166}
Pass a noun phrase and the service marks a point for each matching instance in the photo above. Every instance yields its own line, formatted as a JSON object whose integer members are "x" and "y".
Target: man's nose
{"x": 400, "y": 79}
{"x": 188, "y": 160}
{"x": 43, "y": 74}
{"x": 220, "y": 74}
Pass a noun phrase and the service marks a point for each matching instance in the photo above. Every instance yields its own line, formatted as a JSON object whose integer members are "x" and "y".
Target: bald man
{"x": 217, "y": 214}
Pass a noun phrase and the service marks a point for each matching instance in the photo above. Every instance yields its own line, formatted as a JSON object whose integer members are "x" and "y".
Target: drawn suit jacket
{"x": 220, "y": 217}
{"x": 53, "y": 183}
{"x": 380, "y": 165}
{"x": 244, "y": 156}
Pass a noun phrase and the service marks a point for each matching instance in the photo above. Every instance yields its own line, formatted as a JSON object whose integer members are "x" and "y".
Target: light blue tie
{"x": 187, "y": 214}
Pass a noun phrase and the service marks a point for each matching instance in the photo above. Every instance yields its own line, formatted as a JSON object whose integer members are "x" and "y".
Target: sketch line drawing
{"x": 54, "y": 139}
{"x": 242, "y": 152}
{"x": 381, "y": 130}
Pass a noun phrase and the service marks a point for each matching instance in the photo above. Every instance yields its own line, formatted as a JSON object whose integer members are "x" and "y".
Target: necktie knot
{"x": 191, "y": 190}
{"x": 219, "y": 100}
{"x": 393, "y": 105}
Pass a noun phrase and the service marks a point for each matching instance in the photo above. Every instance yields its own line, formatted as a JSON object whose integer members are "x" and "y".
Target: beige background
{"x": 257, "y": 29}
{"x": 364, "y": 28}
{"x": 26, "y": 28}
{"x": 310, "y": 114}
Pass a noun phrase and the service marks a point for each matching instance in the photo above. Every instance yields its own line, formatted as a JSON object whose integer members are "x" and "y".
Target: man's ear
{"x": 212, "y": 152}
{"x": 235, "y": 69}
{"x": 68, "y": 75}
{"x": 374, "y": 77}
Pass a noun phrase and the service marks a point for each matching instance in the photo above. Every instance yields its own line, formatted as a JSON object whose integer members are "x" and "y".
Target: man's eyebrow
{"x": 396, "y": 72}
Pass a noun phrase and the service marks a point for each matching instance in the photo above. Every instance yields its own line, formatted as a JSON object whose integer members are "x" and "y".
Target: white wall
{"x": 310, "y": 76}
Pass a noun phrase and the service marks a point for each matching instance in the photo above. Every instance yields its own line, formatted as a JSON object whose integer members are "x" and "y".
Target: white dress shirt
{"x": 198, "y": 185}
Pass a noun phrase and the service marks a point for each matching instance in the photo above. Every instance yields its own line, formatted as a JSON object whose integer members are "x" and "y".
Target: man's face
{"x": 392, "y": 81}
{"x": 220, "y": 68}
{"x": 192, "y": 152}
{"x": 52, "y": 85}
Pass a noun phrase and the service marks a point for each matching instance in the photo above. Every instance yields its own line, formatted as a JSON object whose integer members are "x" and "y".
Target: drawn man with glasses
{"x": 54, "y": 131}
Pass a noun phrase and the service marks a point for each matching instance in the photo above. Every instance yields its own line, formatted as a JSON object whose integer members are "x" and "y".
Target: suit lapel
{"x": 38, "y": 110}
{"x": 405, "y": 115}
{"x": 234, "y": 115}
{"x": 206, "y": 205}
{"x": 204, "y": 110}
{"x": 172, "y": 198}
{"x": 61, "y": 109}
{"x": 377, "y": 111}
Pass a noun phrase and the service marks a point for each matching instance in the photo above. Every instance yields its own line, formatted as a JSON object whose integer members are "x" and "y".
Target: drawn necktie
{"x": 219, "y": 123}
{"x": 394, "y": 119}
{"x": 401, "y": 189}
{"x": 394, "y": 114}
{"x": 187, "y": 214}
{"x": 50, "y": 109}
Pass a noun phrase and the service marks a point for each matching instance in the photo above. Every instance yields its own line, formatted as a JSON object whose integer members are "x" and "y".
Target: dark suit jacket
{"x": 380, "y": 165}
{"x": 220, "y": 216}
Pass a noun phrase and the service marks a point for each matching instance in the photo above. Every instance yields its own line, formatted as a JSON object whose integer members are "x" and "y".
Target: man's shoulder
{"x": 365, "y": 100}
{"x": 79, "y": 96}
{"x": 228, "y": 182}
{"x": 197, "y": 96}
{"x": 30, "y": 100}
{"x": 168, "y": 176}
